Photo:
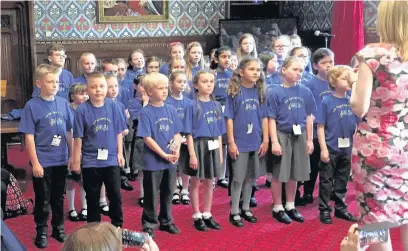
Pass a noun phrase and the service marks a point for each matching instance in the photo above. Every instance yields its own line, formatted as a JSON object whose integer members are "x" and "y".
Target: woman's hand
{"x": 352, "y": 241}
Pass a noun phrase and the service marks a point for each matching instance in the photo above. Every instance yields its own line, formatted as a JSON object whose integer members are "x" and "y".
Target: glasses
{"x": 60, "y": 55}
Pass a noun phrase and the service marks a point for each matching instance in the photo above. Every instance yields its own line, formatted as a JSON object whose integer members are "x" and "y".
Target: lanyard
{"x": 167, "y": 139}
{"x": 212, "y": 132}
{"x": 53, "y": 116}
{"x": 290, "y": 104}
{"x": 106, "y": 123}
{"x": 342, "y": 129}
{"x": 251, "y": 117}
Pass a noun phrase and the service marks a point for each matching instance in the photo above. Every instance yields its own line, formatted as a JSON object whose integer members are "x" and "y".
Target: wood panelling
{"x": 113, "y": 48}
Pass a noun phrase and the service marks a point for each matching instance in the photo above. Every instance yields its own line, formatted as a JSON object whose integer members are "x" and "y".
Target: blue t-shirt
{"x": 290, "y": 106}
{"x": 273, "y": 79}
{"x": 182, "y": 110}
{"x": 66, "y": 80}
{"x": 122, "y": 110}
{"x": 306, "y": 77}
{"x": 161, "y": 124}
{"x": 221, "y": 84}
{"x": 244, "y": 109}
{"x": 339, "y": 122}
{"x": 131, "y": 74}
{"x": 44, "y": 119}
{"x": 81, "y": 79}
{"x": 192, "y": 94}
{"x": 126, "y": 92}
{"x": 207, "y": 119}
{"x": 164, "y": 69}
{"x": 99, "y": 128}
{"x": 135, "y": 107}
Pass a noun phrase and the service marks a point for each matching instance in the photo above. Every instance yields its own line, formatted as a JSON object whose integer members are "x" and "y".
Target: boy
{"x": 336, "y": 125}
{"x": 108, "y": 66}
{"x": 47, "y": 122}
{"x": 160, "y": 127}
{"x": 87, "y": 66}
{"x": 56, "y": 57}
{"x": 98, "y": 136}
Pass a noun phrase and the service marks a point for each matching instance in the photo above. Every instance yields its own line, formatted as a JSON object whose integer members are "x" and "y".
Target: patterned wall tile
{"x": 370, "y": 13}
{"x": 70, "y": 19}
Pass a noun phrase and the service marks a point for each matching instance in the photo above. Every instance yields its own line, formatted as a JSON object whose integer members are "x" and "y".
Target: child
{"x": 98, "y": 136}
{"x": 336, "y": 125}
{"x": 246, "y": 47}
{"x": 323, "y": 60}
{"x": 176, "y": 64}
{"x": 248, "y": 138}
{"x": 78, "y": 95}
{"x": 56, "y": 57}
{"x": 233, "y": 62}
{"x": 160, "y": 127}
{"x": 204, "y": 147}
{"x": 290, "y": 109}
{"x": 109, "y": 67}
{"x": 152, "y": 64}
{"x": 270, "y": 68}
{"x": 87, "y": 64}
{"x": 281, "y": 47}
{"x": 136, "y": 64}
{"x": 303, "y": 53}
{"x": 178, "y": 83}
{"x": 194, "y": 63}
{"x": 295, "y": 41}
{"x": 176, "y": 50}
{"x": 46, "y": 122}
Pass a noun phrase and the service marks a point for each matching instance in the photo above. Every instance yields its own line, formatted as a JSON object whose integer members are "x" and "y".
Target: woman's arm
{"x": 361, "y": 89}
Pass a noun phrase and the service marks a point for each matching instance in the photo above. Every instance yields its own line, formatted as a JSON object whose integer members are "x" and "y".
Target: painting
{"x": 132, "y": 11}
{"x": 263, "y": 30}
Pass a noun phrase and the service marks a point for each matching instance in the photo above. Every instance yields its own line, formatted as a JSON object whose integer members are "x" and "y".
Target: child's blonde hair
{"x": 195, "y": 83}
{"x": 151, "y": 80}
{"x": 117, "y": 61}
{"x": 77, "y": 88}
{"x": 289, "y": 61}
{"x": 95, "y": 75}
{"x": 175, "y": 44}
{"x": 173, "y": 61}
{"x": 172, "y": 77}
{"x": 335, "y": 72}
{"x": 43, "y": 69}
{"x": 240, "y": 53}
{"x": 189, "y": 66}
{"x": 101, "y": 236}
{"x": 234, "y": 85}
{"x": 85, "y": 55}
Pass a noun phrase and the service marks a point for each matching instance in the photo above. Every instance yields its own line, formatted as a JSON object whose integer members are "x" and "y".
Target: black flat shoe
{"x": 140, "y": 202}
{"x": 126, "y": 186}
{"x": 185, "y": 200}
{"x": 72, "y": 217}
{"x": 268, "y": 183}
{"x": 252, "y": 202}
{"x": 171, "y": 229}
{"x": 200, "y": 225}
{"x": 104, "y": 209}
{"x": 149, "y": 231}
{"x": 41, "y": 239}
{"x": 176, "y": 199}
{"x": 307, "y": 199}
{"x": 222, "y": 183}
{"x": 248, "y": 216}
{"x": 236, "y": 220}
{"x": 345, "y": 216}
{"x": 211, "y": 223}
{"x": 295, "y": 215}
{"x": 325, "y": 217}
{"x": 282, "y": 217}
{"x": 59, "y": 235}
{"x": 131, "y": 176}
{"x": 83, "y": 217}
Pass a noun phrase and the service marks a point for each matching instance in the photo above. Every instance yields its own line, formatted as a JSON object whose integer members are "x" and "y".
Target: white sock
{"x": 277, "y": 208}
{"x": 102, "y": 201}
{"x": 290, "y": 205}
{"x": 83, "y": 197}
{"x": 197, "y": 216}
{"x": 71, "y": 199}
{"x": 179, "y": 181}
{"x": 184, "y": 191}
{"x": 207, "y": 215}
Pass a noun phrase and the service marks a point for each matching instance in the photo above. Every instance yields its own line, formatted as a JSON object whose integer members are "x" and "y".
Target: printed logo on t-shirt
{"x": 55, "y": 118}
{"x": 324, "y": 94}
{"x": 294, "y": 102}
{"x": 181, "y": 112}
{"x": 211, "y": 116}
{"x": 163, "y": 124}
{"x": 222, "y": 83}
{"x": 101, "y": 124}
{"x": 345, "y": 110}
{"x": 250, "y": 104}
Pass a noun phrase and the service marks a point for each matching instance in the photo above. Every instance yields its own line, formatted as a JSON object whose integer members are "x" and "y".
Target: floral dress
{"x": 380, "y": 150}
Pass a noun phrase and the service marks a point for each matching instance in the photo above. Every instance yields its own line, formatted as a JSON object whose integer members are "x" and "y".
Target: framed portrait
{"x": 114, "y": 11}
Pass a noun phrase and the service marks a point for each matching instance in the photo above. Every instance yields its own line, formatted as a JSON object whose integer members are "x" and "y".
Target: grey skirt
{"x": 129, "y": 136}
{"x": 184, "y": 159}
{"x": 136, "y": 154}
{"x": 294, "y": 163}
{"x": 208, "y": 161}
{"x": 246, "y": 166}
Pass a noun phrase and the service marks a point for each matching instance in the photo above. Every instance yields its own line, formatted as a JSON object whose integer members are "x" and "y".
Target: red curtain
{"x": 348, "y": 28}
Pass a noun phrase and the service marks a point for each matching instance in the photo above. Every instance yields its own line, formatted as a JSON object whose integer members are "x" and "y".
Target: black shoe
{"x": 325, "y": 217}
{"x": 131, "y": 176}
{"x": 59, "y": 234}
{"x": 268, "y": 183}
{"x": 176, "y": 198}
{"x": 72, "y": 217}
{"x": 345, "y": 216}
{"x": 126, "y": 186}
{"x": 252, "y": 202}
{"x": 104, "y": 209}
{"x": 140, "y": 202}
{"x": 307, "y": 199}
{"x": 236, "y": 220}
{"x": 211, "y": 223}
{"x": 41, "y": 239}
{"x": 222, "y": 183}
{"x": 149, "y": 231}
{"x": 295, "y": 215}
{"x": 282, "y": 217}
{"x": 248, "y": 216}
{"x": 83, "y": 217}
{"x": 200, "y": 225}
{"x": 171, "y": 229}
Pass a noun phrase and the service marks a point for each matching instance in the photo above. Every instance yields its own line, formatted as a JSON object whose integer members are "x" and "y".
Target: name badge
{"x": 250, "y": 127}
{"x": 56, "y": 140}
{"x": 343, "y": 142}
{"x": 213, "y": 144}
{"x": 297, "y": 130}
{"x": 223, "y": 108}
{"x": 102, "y": 154}
{"x": 172, "y": 145}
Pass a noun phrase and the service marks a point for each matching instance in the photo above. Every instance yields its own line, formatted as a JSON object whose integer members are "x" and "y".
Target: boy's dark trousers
{"x": 49, "y": 191}
{"x": 314, "y": 169}
{"x": 337, "y": 171}
{"x": 155, "y": 182}
{"x": 93, "y": 177}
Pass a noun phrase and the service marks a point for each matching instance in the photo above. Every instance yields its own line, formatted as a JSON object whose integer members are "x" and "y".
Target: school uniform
{"x": 81, "y": 79}
{"x": 192, "y": 93}
{"x": 137, "y": 145}
{"x": 49, "y": 122}
{"x": 320, "y": 89}
{"x": 164, "y": 69}
{"x": 66, "y": 80}
{"x": 206, "y": 126}
{"x": 159, "y": 175}
{"x": 289, "y": 107}
{"x": 72, "y": 175}
{"x": 132, "y": 73}
{"x": 272, "y": 80}
{"x": 98, "y": 127}
{"x": 339, "y": 127}
{"x": 221, "y": 84}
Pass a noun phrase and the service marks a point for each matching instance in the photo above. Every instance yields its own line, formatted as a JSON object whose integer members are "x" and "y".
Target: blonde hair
{"x": 85, "y": 55}
{"x": 94, "y": 236}
{"x": 175, "y": 44}
{"x": 117, "y": 61}
{"x": 289, "y": 61}
{"x": 189, "y": 66}
{"x": 281, "y": 37}
{"x": 234, "y": 85}
{"x": 151, "y": 80}
{"x": 172, "y": 61}
{"x": 195, "y": 83}
{"x": 43, "y": 69}
{"x": 240, "y": 53}
{"x": 392, "y": 25}
{"x": 95, "y": 75}
{"x": 172, "y": 77}
{"x": 77, "y": 88}
{"x": 335, "y": 72}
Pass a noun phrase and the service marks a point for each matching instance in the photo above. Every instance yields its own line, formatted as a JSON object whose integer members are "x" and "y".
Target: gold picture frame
{"x": 132, "y": 11}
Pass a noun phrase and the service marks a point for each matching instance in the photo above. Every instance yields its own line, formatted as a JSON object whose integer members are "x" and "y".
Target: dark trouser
{"x": 155, "y": 182}
{"x": 314, "y": 168}
{"x": 93, "y": 177}
{"x": 123, "y": 177}
{"x": 49, "y": 190}
{"x": 337, "y": 171}
{"x": 5, "y": 181}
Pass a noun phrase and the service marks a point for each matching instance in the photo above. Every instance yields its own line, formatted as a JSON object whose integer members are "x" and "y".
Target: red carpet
{"x": 267, "y": 234}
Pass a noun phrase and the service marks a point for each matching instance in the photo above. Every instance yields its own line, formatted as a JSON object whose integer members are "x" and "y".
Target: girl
{"x": 176, "y": 51}
{"x": 246, "y": 47}
{"x": 303, "y": 53}
{"x": 77, "y": 95}
{"x": 295, "y": 41}
{"x": 136, "y": 64}
{"x": 178, "y": 83}
{"x": 233, "y": 62}
{"x": 270, "y": 68}
{"x": 152, "y": 64}
{"x": 176, "y": 64}
{"x": 281, "y": 47}
{"x": 247, "y": 129}
{"x": 125, "y": 84}
{"x": 194, "y": 62}
{"x": 290, "y": 109}
{"x": 204, "y": 147}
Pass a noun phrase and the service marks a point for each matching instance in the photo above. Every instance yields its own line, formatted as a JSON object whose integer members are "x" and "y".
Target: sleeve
{"x": 371, "y": 55}
{"x": 79, "y": 123}
{"x": 71, "y": 80}
{"x": 321, "y": 116}
{"x": 310, "y": 103}
{"x": 143, "y": 128}
{"x": 188, "y": 126}
{"x": 27, "y": 123}
{"x": 70, "y": 118}
{"x": 263, "y": 110}
{"x": 120, "y": 122}
{"x": 229, "y": 108}
{"x": 36, "y": 92}
{"x": 272, "y": 106}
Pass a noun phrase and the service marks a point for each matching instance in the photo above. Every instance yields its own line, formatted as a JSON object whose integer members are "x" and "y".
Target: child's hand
{"x": 233, "y": 151}
{"x": 125, "y": 132}
{"x": 277, "y": 149}
{"x": 324, "y": 156}
{"x": 70, "y": 162}
{"x": 121, "y": 160}
{"x": 310, "y": 147}
{"x": 193, "y": 162}
{"x": 76, "y": 167}
{"x": 263, "y": 149}
{"x": 127, "y": 113}
{"x": 38, "y": 171}
{"x": 172, "y": 158}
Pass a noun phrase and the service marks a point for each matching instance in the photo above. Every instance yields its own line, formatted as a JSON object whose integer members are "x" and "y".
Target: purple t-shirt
{"x": 135, "y": 107}
{"x": 182, "y": 110}
{"x": 81, "y": 79}
{"x": 66, "y": 80}
{"x": 161, "y": 124}
{"x": 98, "y": 127}
{"x": 44, "y": 119}
{"x": 221, "y": 85}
